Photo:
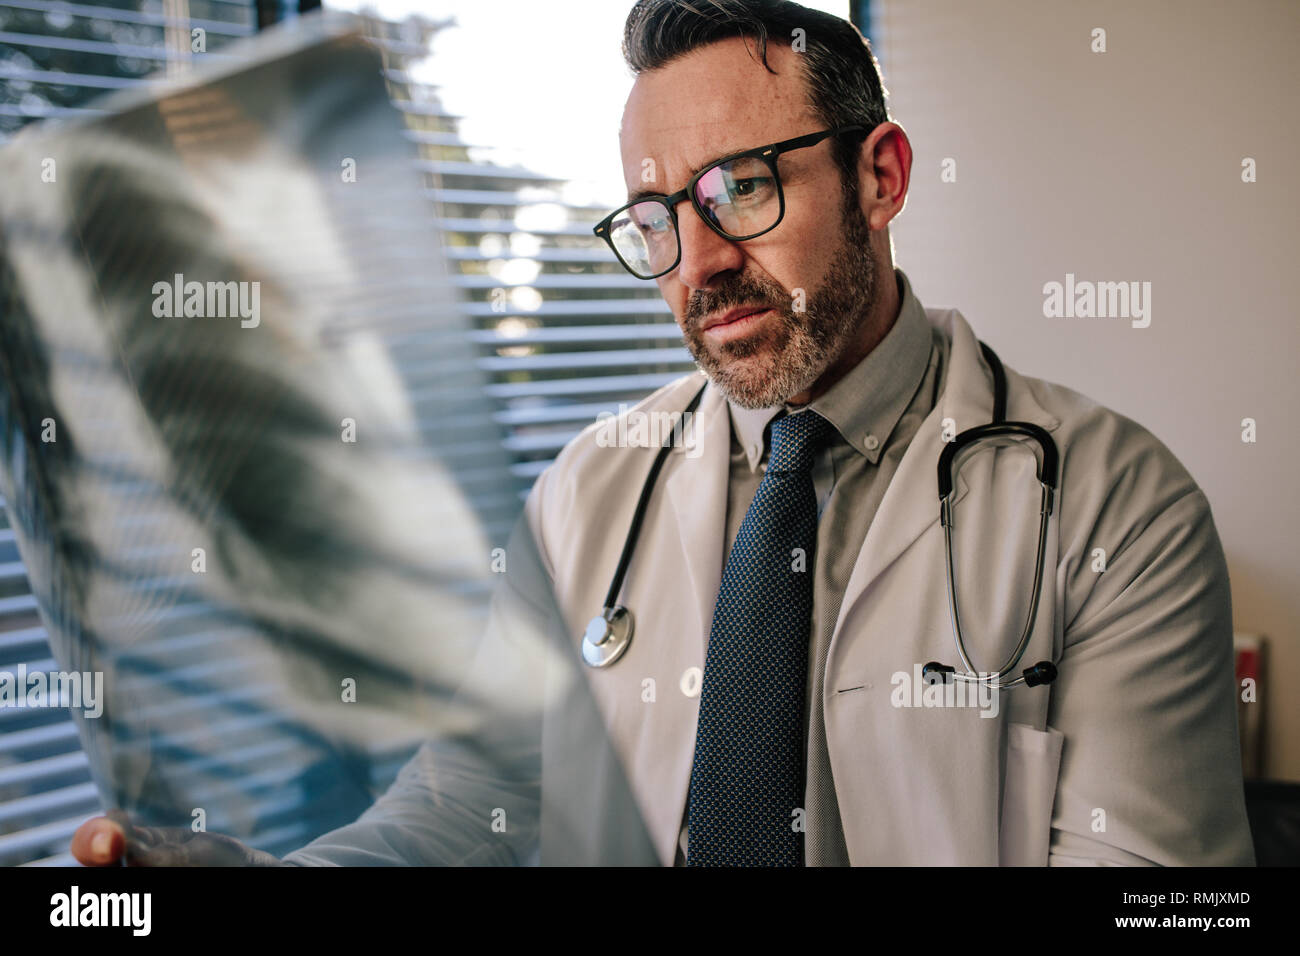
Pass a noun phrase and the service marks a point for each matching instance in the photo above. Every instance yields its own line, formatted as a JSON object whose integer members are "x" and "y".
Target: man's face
{"x": 814, "y": 273}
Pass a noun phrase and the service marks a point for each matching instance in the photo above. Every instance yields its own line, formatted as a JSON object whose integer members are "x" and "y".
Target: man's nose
{"x": 705, "y": 254}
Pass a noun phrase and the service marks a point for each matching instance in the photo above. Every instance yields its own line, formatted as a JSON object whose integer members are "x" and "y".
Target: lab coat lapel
{"x": 911, "y": 502}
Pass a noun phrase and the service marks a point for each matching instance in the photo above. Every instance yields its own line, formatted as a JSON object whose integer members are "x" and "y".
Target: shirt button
{"x": 871, "y": 442}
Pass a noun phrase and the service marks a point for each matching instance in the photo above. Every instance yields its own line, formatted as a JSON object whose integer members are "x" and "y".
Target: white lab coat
{"x": 1131, "y": 757}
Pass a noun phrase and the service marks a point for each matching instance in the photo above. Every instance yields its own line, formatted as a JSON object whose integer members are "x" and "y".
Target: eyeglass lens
{"x": 740, "y": 197}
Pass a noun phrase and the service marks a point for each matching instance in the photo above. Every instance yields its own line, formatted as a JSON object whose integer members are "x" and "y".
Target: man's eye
{"x": 757, "y": 187}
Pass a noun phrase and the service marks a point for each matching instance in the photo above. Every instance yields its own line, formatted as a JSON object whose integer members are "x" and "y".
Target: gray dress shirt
{"x": 876, "y": 408}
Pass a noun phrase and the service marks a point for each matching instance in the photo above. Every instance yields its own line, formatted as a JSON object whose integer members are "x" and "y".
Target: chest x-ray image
{"x": 250, "y": 468}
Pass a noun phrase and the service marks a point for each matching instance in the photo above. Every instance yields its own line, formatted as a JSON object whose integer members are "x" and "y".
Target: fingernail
{"x": 102, "y": 845}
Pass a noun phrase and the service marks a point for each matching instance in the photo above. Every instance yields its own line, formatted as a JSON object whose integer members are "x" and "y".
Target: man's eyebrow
{"x": 639, "y": 194}
{"x": 645, "y": 194}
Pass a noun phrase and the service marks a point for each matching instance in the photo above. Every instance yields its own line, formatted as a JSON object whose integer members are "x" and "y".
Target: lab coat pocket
{"x": 1033, "y": 762}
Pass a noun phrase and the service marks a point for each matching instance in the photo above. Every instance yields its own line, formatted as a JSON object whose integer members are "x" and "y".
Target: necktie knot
{"x": 796, "y": 440}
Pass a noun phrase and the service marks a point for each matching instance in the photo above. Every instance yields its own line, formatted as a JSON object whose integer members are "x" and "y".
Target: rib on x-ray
{"x": 248, "y": 458}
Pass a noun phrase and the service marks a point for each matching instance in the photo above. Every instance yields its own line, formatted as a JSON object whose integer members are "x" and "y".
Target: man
{"x": 788, "y": 582}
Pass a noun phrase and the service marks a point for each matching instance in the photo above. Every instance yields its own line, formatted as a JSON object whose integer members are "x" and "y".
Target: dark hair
{"x": 842, "y": 75}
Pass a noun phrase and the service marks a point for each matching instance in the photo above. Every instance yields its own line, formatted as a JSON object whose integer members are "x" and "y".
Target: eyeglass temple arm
{"x": 811, "y": 139}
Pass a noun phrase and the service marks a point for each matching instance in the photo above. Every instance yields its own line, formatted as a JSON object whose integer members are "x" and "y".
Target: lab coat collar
{"x": 866, "y": 404}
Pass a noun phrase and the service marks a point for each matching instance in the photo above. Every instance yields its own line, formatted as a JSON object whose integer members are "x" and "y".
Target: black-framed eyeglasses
{"x": 739, "y": 196}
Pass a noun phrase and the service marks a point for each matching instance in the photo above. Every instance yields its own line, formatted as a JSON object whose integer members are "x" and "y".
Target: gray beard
{"x": 797, "y": 347}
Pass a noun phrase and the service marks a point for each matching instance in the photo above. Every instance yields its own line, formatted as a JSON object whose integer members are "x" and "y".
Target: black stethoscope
{"x": 609, "y": 634}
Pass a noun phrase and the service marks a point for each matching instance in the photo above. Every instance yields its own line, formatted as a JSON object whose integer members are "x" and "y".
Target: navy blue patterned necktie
{"x": 747, "y": 779}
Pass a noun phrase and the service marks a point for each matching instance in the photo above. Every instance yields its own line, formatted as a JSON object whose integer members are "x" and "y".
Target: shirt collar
{"x": 866, "y": 404}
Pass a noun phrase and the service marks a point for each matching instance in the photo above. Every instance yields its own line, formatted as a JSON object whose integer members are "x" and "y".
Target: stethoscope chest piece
{"x": 607, "y": 636}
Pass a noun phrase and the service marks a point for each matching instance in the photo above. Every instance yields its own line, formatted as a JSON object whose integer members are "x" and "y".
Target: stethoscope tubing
{"x": 1048, "y": 462}
{"x": 647, "y": 488}
{"x": 996, "y": 679}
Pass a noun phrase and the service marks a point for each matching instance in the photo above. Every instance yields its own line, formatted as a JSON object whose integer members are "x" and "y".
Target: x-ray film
{"x": 251, "y": 467}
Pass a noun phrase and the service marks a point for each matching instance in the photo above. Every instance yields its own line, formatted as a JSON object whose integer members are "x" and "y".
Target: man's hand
{"x": 111, "y": 840}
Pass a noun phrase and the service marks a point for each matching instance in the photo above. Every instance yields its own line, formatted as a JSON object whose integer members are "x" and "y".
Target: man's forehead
{"x": 712, "y": 101}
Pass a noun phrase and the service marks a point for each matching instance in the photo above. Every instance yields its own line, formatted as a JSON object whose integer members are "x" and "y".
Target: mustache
{"x": 699, "y": 309}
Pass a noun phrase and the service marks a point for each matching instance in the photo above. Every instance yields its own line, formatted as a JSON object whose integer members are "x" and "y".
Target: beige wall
{"x": 1126, "y": 165}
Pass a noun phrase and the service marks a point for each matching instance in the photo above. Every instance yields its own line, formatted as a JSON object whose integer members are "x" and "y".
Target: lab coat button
{"x": 872, "y": 442}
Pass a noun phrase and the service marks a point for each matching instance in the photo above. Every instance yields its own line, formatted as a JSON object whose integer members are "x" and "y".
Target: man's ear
{"x": 884, "y": 173}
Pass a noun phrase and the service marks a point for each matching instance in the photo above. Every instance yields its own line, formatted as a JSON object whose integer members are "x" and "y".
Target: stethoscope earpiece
{"x": 1044, "y": 672}
{"x": 936, "y": 673}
